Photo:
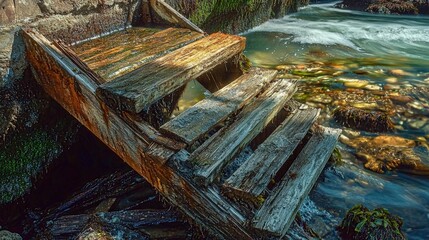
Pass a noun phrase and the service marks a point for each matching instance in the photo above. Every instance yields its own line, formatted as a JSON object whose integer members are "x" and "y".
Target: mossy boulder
{"x": 363, "y": 224}
{"x": 410, "y": 7}
{"x": 233, "y": 16}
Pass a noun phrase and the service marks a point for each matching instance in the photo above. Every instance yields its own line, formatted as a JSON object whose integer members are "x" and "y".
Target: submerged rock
{"x": 372, "y": 121}
{"x": 387, "y": 153}
{"x": 361, "y": 223}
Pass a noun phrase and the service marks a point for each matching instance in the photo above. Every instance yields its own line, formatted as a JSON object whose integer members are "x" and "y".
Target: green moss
{"x": 361, "y": 223}
{"x": 21, "y": 160}
{"x": 233, "y": 16}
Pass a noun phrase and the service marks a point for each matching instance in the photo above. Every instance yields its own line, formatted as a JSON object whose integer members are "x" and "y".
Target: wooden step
{"x": 218, "y": 150}
{"x": 254, "y": 175}
{"x": 97, "y": 47}
{"x": 280, "y": 208}
{"x": 144, "y": 86}
{"x": 203, "y": 116}
{"x": 118, "y": 60}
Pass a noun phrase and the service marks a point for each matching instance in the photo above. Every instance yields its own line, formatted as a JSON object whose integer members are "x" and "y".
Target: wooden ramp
{"x": 197, "y": 159}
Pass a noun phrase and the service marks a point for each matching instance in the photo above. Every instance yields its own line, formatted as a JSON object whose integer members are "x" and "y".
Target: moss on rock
{"x": 233, "y": 16}
{"x": 26, "y": 156}
{"x": 361, "y": 223}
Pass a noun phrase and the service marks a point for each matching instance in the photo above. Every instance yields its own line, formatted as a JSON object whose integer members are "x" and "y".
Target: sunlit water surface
{"x": 391, "y": 53}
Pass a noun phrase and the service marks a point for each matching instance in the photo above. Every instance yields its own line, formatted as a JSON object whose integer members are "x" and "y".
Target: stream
{"x": 370, "y": 62}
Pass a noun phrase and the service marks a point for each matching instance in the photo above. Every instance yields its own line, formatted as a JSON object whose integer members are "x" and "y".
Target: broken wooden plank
{"x": 217, "y": 151}
{"x": 76, "y": 93}
{"x": 279, "y": 210}
{"x": 124, "y": 59}
{"x": 69, "y": 226}
{"x": 203, "y": 116}
{"x": 142, "y": 87}
{"x": 254, "y": 175}
{"x": 172, "y": 16}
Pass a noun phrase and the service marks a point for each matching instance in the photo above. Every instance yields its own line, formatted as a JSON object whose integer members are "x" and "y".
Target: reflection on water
{"x": 193, "y": 93}
{"x": 371, "y": 62}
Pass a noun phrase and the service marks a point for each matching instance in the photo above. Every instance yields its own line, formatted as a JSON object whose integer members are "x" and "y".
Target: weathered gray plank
{"x": 140, "y": 88}
{"x": 170, "y": 15}
{"x": 203, "y": 116}
{"x": 133, "y": 52}
{"x": 217, "y": 151}
{"x": 279, "y": 210}
{"x": 253, "y": 176}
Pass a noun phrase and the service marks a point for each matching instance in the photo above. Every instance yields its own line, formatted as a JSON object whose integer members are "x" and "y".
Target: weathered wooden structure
{"x": 194, "y": 159}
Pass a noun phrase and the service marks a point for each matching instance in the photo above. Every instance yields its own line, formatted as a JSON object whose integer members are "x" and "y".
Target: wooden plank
{"x": 218, "y": 150}
{"x": 76, "y": 93}
{"x": 203, "y": 116}
{"x": 111, "y": 42}
{"x": 279, "y": 210}
{"x": 170, "y": 15}
{"x": 142, "y": 87}
{"x": 131, "y": 54}
{"x": 254, "y": 175}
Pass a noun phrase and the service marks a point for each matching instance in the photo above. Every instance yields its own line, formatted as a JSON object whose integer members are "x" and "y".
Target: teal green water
{"x": 325, "y": 47}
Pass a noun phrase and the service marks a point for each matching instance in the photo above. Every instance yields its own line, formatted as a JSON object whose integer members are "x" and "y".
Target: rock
{"x": 361, "y": 223}
{"x": 391, "y": 80}
{"x": 393, "y": 141}
{"x": 417, "y": 124}
{"x": 356, "y": 83}
{"x": 372, "y": 87}
{"x": 400, "y": 72}
{"x": 400, "y": 99}
{"x": 363, "y": 120}
{"x": 365, "y": 106}
{"x": 6, "y": 235}
{"x": 320, "y": 98}
{"x": 391, "y": 87}
{"x": 388, "y": 153}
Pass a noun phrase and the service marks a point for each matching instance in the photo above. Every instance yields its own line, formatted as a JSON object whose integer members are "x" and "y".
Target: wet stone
{"x": 391, "y": 80}
{"x": 321, "y": 98}
{"x": 356, "y": 83}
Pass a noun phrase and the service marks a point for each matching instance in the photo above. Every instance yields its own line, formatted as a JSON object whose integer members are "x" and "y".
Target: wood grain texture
{"x": 140, "y": 88}
{"x": 133, "y": 52}
{"x": 218, "y": 150}
{"x": 254, "y": 175}
{"x": 172, "y": 16}
{"x": 75, "y": 92}
{"x": 203, "y": 116}
{"x": 280, "y": 208}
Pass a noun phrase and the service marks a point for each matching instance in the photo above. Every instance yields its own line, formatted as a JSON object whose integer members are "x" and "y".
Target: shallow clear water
{"x": 325, "y": 47}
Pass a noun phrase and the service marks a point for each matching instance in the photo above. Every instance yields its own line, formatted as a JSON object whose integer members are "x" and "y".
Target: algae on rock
{"x": 361, "y": 223}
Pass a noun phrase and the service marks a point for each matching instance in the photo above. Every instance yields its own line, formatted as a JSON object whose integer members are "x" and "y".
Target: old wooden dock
{"x": 194, "y": 159}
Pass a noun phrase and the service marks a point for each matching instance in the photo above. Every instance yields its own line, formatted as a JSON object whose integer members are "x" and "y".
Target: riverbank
{"x": 374, "y": 63}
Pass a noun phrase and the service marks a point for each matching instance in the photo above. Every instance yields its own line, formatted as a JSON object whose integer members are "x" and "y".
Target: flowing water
{"x": 372, "y": 62}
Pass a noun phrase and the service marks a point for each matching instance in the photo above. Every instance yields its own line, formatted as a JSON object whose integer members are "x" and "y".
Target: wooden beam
{"x": 75, "y": 92}
{"x": 254, "y": 175}
{"x": 218, "y": 150}
{"x": 279, "y": 210}
{"x": 172, "y": 16}
{"x": 203, "y": 116}
{"x": 141, "y": 88}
